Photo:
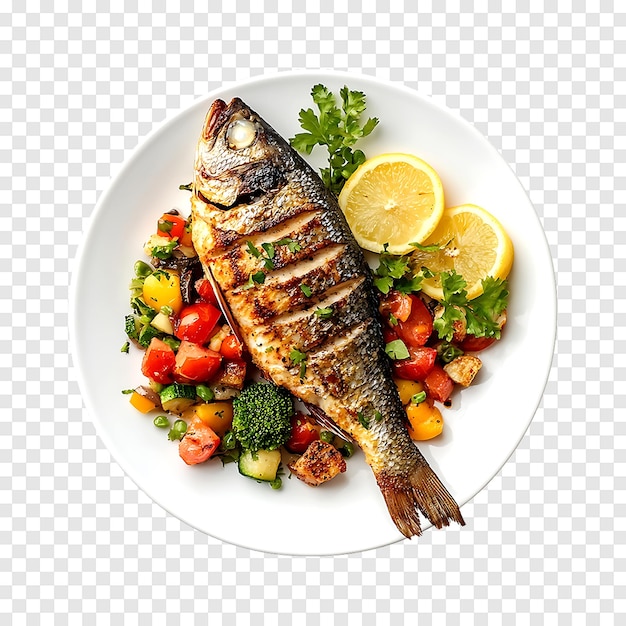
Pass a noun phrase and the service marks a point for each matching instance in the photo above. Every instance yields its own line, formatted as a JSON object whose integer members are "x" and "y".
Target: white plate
{"x": 348, "y": 514}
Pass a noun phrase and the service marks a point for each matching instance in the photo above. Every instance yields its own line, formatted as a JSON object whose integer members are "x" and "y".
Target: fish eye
{"x": 241, "y": 134}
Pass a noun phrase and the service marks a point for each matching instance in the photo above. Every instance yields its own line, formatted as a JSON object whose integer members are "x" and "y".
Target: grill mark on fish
{"x": 347, "y": 371}
{"x": 283, "y": 291}
{"x": 240, "y": 260}
{"x": 307, "y": 330}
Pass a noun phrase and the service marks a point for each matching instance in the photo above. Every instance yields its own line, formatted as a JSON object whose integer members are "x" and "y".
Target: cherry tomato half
{"x": 196, "y": 364}
{"x": 418, "y": 326}
{"x": 419, "y": 364}
{"x": 205, "y": 291}
{"x": 397, "y": 304}
{"x": 476, "y": 344}
{"x": 231, "y": 348}
{"x": 302, "y": 434}
{"x": 158, "y": 362}
{"x": 197, "y": 322}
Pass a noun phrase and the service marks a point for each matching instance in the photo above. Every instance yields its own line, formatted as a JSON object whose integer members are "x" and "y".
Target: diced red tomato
{"x": 397, "y": 304}
{"x": 302, "y": 434}
{"x": 158, "y": 362}
{"x": 205, "y": 291}
{"x": 416, "y": 329}
{"x": 476, "y": 344}
{"x": 195, "y": 364}
{"x": 231, "y": 348}
{"x": 199, "y": 443}
{"x": 438, "y": 384}
{"x": 419, "y": 364}
{"x": 197, "y": 322}
{"x": 171, "y": 226}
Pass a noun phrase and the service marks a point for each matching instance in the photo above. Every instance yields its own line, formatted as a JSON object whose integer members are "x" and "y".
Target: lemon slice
{"x": 472, "y": 242}
{"x": 393, "y": 199}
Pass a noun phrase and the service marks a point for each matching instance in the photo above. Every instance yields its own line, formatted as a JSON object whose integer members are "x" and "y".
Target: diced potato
{"x": 320, "y": 463}
{"x": 217, "y": 415}
{"x": 163, "y": 289}
{"x": 425, "y": 420}
{"x": 141, "y": 403}
{"x": 407, "y": 389}
{"x": 232, "y": 374}
{"x": 463, "y": 369}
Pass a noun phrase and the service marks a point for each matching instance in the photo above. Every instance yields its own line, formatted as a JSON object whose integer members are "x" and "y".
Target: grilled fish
{"x": 301, "y": 293}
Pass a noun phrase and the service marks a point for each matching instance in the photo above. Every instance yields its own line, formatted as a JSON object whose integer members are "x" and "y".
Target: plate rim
{"x": 161, "y": 127}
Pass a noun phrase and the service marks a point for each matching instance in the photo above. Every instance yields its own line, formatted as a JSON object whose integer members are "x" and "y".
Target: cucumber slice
{"x": 177, "y": 398}
{"x": 260, "y": 465}
{"x": 162, "y": 322}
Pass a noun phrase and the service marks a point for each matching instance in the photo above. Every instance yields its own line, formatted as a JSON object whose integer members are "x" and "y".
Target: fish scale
{"x": 254, "y": 187}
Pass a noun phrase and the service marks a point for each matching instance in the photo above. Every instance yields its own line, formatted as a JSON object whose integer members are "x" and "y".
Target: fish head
{"x": 236, "y": 157}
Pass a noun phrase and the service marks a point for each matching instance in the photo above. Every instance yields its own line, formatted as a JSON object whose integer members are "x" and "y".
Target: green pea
{"x": 161, "y": 421}
{"x": 347, "y": 450}
{"x": 205, "y": 393}
{"x": 326, "y": 436}
{"x": 142, "y": 269}
{"x": 177, "y": 431}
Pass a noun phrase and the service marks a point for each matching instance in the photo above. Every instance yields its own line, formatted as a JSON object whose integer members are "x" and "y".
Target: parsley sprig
{"x": 395, "y": 272}
{"x": 481, "y": 313}
{"x": 336, "y": 128}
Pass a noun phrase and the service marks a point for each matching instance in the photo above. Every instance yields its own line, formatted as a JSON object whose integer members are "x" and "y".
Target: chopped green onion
{"x": 418, "y": 397}
{"x": 277, "y": 483}
{"x": 125, "y": 348}
{"x": 364, "y": 421}
{"x": 167, "y": 310}
{"x": 187, "y": 187}
{"x": 127, "y": 391}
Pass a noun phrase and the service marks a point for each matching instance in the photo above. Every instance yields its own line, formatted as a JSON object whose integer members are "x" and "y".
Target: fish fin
{"x": 421, "y": 490}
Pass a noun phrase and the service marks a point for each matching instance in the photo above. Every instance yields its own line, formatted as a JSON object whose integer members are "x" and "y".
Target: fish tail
{"x": 420, "y": 490}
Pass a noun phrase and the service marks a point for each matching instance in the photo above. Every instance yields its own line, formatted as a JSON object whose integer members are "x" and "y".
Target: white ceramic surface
{"x": 483, "y": 427}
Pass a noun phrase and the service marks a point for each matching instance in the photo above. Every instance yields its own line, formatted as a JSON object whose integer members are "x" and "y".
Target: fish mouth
{"x": 219, "y": 114}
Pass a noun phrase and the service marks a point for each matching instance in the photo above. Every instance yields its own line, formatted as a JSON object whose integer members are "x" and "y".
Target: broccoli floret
{"x": 261, "y": 416}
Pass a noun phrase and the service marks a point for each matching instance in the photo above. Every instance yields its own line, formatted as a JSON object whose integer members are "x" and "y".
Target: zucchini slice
{"x": 176, "y": 398}
{"x": 260, "y": 465}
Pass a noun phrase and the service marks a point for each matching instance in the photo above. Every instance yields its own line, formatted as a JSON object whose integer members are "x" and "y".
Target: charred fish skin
{"x": 297, "y": 284}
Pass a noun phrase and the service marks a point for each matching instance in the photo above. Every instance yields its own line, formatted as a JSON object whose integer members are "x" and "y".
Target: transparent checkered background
{"x": 80, "y": 544}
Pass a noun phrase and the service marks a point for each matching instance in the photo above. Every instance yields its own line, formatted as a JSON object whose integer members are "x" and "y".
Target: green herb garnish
{"x": 324, "y": 313}
{"x": 293, "y": 245}
{"x": 397, "y": 350}
{"x": 336, "y": 128}
{"x": 299, "y": 358}
{"x": 480, "y": 314}
{"x": 306, "y": 290}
